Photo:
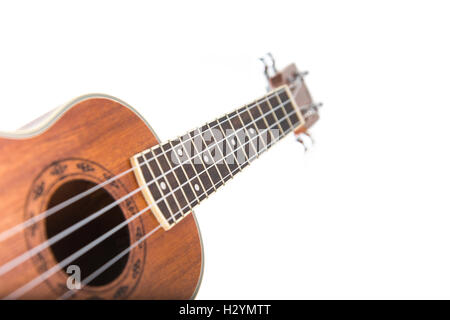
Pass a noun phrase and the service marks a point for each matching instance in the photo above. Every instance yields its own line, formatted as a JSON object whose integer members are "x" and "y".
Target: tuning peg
{"x": 272, "y": 59}
{"x": 318, "y": 105}
{"x": 269, "y": 69}
{"x": 303, "y": 138}
{"x": 299, "y": 76}
{"x": 312, "y": 108}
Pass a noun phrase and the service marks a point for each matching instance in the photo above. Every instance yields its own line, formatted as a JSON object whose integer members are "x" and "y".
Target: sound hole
{"x": 77, "y": 211}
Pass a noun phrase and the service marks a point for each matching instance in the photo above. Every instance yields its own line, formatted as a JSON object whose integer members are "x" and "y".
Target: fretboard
{"x": 177, "y": 175}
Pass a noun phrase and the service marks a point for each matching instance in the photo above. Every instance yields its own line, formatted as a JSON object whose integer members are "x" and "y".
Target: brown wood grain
{"x": 301, "y": 95}
{"x": 103, "y": 131}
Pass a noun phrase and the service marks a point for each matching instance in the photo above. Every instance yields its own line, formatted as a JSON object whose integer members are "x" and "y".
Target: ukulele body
{"x": 67, "y": 152}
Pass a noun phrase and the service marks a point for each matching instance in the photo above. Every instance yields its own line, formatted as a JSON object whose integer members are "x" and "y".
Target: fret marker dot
{"x": 196, "y": 187}
{"x": 205, "y": 157}
{"x": 180, "y": 152}
{"x": 252, "y": 131}
{"x": 163, "y": 185}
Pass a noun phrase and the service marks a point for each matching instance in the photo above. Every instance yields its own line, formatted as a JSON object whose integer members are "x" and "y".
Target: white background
{"x": 365, "y": 214}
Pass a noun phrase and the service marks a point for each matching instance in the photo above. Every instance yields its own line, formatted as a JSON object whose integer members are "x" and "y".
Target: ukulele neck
{"x": 177, "y": 175}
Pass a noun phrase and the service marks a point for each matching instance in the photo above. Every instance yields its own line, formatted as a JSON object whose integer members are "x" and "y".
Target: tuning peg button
{"x": 305, "y": 140}
{"x": 270, "y": 69}
{"x": 299, "y": 75}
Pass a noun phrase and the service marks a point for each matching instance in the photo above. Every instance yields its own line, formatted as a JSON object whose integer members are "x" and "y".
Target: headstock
{"x": 294, "y": 79}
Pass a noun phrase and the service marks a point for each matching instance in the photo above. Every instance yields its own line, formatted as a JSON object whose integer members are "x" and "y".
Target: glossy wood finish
{"x": 105, "y": 133}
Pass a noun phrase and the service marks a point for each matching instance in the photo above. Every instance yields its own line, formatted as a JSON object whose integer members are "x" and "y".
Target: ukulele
{"x": 94, "y": 206}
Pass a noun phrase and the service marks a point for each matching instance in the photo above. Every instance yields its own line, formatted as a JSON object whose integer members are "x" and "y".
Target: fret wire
{"x": 245, "y": 129}
{"x": 184, "y": 170}
{"x": 269, "y": 117}
{"x": 226, "y": 137}
{"x": 220, "y": 150}
{"x": 166, "y": 181}
{"x": 231, "y": 148}
{"x": 267, "y": 124}
{"x": 205, "y": 152}
{"x": 273, "y": 114}
{"x": 284, "y": 111}
{"x": 165, "y": 174}
{"x": 238, "y": 141}
{"x": 201, "y": 160}
{"x": 243, "y": 145}
{"x": 257, "y": 110}
{"x": 214, "y": 163}
{"x": 239, "y": 112}
{"x": 168, "y": 185}
{"x": 274, "y": 92}
{"x": 176, "y": 178}
{"x": 170, "y": 174}
{"x": 280, "y": 114}
{"x": 268, "y": 129}
{"x": 195, "y": 175}
{"x": 155, "y": 181}
{"x": 235, "y": 150}
{"x": 193, "y": 166}
{"x": 277, "y": 122}
{"x": 254, "y": 102}
{"x": 292, "y": 124}
{"x": 243, "y": 142}
{"x": 283, "y": 95}
{"x": 280, "y": 105}
{"x": 288, "y": 107}
{"x": 263, "y": 115}
{"x": 273, "y": 140}
{"x": 223, "y": 165}
{"x": 256, "y": 129}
